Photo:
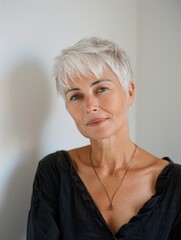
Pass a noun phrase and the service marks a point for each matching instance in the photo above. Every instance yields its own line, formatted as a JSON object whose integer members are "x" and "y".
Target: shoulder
{"x": 173, "y": 169}
{"x": 169, "y": 180}
{"x": 176, "y": 172}
{"x": 54, "y": 162}
{"x": 150, "y": 163}
{"x": 51, "y": 169}
{"x": 177, "y": 167}
{"x": 79, "y": 154}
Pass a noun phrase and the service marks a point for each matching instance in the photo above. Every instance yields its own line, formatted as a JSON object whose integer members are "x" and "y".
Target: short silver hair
{"x": 89, "y": 57}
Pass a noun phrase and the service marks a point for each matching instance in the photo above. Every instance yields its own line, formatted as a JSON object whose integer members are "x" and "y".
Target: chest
{"x": 126, "y": 198}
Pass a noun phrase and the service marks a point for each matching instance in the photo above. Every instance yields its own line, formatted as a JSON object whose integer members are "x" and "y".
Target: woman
{"x": 110, "y": 189}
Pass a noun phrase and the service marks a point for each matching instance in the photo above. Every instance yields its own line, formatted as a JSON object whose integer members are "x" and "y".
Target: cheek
{"x": 75, "y": 113}
{"x": 119, "y": 108}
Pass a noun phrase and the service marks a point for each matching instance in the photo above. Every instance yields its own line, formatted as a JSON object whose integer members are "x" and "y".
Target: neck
{"x": 111, "y": 153}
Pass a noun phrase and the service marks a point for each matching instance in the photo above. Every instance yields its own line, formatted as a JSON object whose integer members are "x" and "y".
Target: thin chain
{"x": 127, "y": 169}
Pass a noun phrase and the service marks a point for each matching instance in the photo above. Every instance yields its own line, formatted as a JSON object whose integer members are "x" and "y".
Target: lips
{"x": 96, "y": 121}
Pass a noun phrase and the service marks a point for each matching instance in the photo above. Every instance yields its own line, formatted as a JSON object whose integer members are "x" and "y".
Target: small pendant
{"x": 111, "y": 207}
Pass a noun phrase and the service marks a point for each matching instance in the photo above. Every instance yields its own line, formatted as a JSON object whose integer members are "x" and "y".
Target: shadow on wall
{"x": 28, "y": 105}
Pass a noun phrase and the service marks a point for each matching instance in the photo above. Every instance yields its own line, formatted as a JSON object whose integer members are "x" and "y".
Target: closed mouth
{"x": 97, "y": 121}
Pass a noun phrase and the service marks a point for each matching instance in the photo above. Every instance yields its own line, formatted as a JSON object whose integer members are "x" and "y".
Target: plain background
{"x": 33, "y": 119}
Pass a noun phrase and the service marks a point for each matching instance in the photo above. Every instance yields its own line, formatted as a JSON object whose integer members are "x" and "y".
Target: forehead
{"x": 78, "y": 80}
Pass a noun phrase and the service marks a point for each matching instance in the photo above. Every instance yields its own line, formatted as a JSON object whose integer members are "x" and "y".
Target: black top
{"x": 62, "y": 208}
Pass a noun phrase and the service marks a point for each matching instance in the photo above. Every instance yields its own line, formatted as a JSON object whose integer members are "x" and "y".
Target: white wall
{"x": 158, "y": 112}
{"x": 33, "y": 120}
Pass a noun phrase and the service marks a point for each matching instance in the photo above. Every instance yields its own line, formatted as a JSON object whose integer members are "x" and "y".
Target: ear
{"x": 131, "y": 90}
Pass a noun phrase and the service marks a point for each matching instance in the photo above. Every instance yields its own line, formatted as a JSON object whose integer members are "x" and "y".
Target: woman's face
{"x": 99, "y": 106}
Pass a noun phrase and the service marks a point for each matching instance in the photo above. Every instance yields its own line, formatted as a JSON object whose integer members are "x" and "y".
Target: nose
{"x": 91, "y": 110}
{"x": 91, "y": 105}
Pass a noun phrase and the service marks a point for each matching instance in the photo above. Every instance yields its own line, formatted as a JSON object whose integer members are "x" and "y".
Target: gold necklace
{"x": 127, "y": 169}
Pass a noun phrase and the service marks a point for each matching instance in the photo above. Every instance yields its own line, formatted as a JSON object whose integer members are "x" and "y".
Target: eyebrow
{"x": 94, "y": 83}
{"x": 71, "y": 90}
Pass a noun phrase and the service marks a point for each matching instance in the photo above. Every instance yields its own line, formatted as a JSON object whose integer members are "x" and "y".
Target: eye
{"x": 75, "y": 97}
{"x": 102, "y": 89}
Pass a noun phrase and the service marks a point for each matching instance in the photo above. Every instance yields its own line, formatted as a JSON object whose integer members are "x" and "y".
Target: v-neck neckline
{"x": 146, "y": 208}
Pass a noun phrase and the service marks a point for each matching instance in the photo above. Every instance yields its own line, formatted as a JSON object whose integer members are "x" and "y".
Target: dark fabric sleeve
{"x": 43, "y": 222}
{"x": 176, "y": 233}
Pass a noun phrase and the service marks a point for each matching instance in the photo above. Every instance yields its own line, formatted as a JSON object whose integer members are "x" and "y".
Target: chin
{"x": 98, "y": 135}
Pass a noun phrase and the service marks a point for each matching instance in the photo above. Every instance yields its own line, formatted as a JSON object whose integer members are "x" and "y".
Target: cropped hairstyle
{"x": 89, "y": 57}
